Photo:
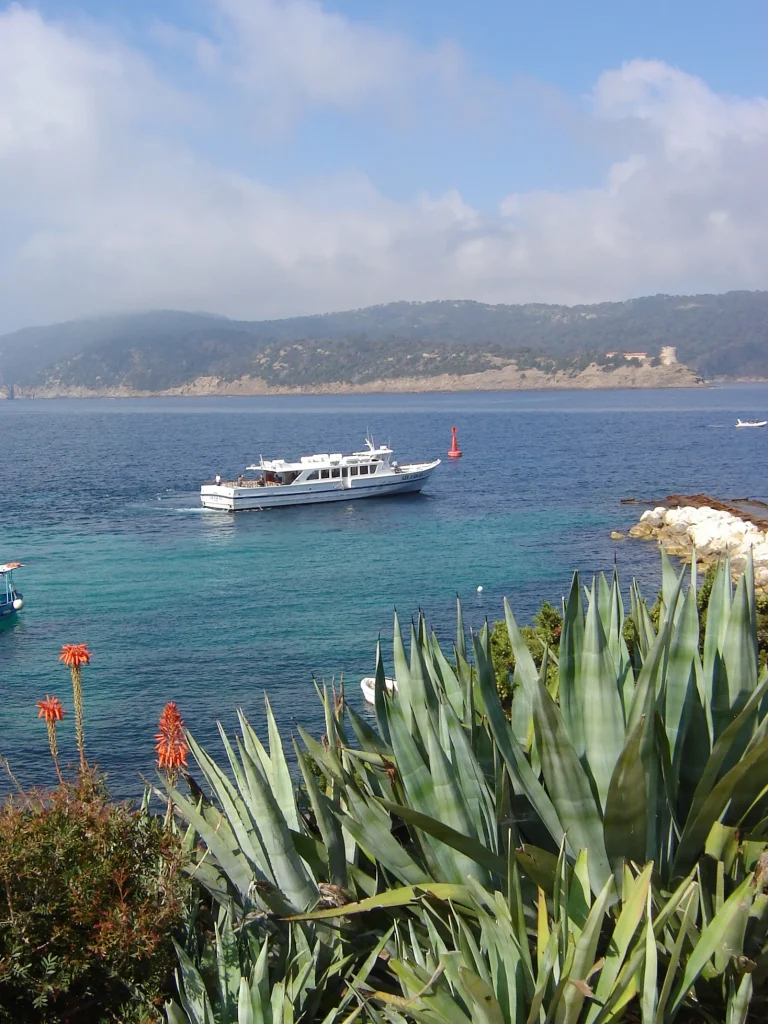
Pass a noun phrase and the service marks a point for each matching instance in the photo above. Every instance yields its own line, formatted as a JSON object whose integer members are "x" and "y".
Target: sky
{"x": 270, "y": 158}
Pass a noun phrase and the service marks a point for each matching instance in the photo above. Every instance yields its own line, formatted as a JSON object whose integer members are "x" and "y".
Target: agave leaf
{"x": 680, "y": 677}
{"x": 422, "y": 693}
{"x": 626, "y": 810}
{"x": 192, "y": 991}
{"x": 290, "y": 872}
{"x": 244, "y": 1005}
{"x": 711, "y": 940}
{"x": 604, "y": 723}
{"x": 451, "y": 807}
{"x": 174, "y": 1013}
{"x": 419, "y": 788}
{"x": 374, "y": 837}
{"x": 282, "y": 785}
{"x": 329, "y": 826}
{"x": 625, "y": 987}
{"x": 670, "y": 588}
{"x": 402, "y": 671}
{"x": 519, "y": 769}
{"x": 539, "y": 865}
{"x": 392, "y": 899}
{"x": 327, "y": 758}
{"x": 380, "y": 696}
{"x": 232, "y": 804}
{"x": 235, "y": 865}
{"x": 451, "y": 684}
{"x": 460, "y": 631}
{"x": 739, "y": 648}
{"x": 650, "y": 971}
{"x": 634, "y": 902}
{"x": 544, "y": 973}
{"x": 715, "y": 679}
{"x": 468, "y": 846}
{"x": 569, "y": 675}
{"x": 738, "y": 1002}
{"x": 228, "y": 965}
{"x": 481, "y": 998}
{"x": 473, "y": 783}
{"x": 584, "y": 958}
{"x": 569, "y": 787}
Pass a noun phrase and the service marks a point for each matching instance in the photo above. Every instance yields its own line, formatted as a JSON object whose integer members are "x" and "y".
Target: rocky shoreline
{"x": 713, "y": 530}
{"x": 501, "y": 378}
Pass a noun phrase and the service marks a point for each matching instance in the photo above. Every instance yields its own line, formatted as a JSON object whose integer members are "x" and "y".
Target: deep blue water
{"x": 99, "y": 500}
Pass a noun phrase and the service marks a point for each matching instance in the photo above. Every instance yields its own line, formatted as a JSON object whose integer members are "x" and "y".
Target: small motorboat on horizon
{"x": 751, "y": 423}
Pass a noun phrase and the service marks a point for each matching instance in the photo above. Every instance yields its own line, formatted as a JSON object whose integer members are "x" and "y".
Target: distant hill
{"x": 716, "y": 335}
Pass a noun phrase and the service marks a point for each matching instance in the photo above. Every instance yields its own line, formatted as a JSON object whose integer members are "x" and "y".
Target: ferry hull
{"x": 226, "y": 498}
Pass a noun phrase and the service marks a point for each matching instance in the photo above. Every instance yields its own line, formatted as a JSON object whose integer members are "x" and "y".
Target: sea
{"x": 100, "y": 501}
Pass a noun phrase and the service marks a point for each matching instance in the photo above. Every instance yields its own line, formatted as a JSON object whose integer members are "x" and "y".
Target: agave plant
{"x": 240, "y": 979}
{"x": 656, "y": 756}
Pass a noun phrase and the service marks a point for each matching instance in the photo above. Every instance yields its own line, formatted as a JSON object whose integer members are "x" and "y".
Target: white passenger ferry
{"x": 372, "y": 473}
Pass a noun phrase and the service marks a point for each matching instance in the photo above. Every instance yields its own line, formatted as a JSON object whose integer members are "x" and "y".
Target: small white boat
{"x": 372, "y": 473}
{"x": 368, "y": 686}
{"x": 11, "y": 599}
{"x": 751, "y": 423}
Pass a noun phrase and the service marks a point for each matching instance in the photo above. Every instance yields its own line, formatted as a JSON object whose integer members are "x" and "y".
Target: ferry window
{"x": 372, "y": 468}
{"x": 335, "y": 474}
{"x": 363, "y": 470}
{"x": 313, "y": 475}
{"x": 325, "y": 474}
{"x": 345, "y": 471}
{"x": 353, "y": 470}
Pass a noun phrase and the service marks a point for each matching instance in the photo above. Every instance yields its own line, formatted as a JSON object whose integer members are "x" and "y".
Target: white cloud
{"x": 107, "y": 202}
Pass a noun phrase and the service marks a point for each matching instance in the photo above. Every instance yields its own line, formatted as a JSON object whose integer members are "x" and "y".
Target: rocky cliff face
{"x": 505, "y": 377}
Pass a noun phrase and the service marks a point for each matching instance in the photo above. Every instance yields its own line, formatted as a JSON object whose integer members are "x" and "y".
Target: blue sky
{"x": 271, "y": 157}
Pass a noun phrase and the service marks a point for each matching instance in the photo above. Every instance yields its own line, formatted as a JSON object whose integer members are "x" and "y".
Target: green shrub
{"x": 90, "y": 894}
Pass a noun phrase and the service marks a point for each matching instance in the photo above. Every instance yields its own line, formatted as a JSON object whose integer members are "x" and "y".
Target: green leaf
{"x": 680, "y": 677}
{"x": 392, "y": 899}
{"x": 468, "y": 846}
{"x": 569, "y": 1010}
{"x": 569, "y": 787}
{"x": 650, "y": 971}
{"x": 519, "y": 769}
{"x": 330, "y": 830}
{"x": 569, "y": 673}
{"x": 604, "y": 721}
{"x": 633, "y": 904}
{"x": 626, "y": 811}
{"x": 711, "y": 940}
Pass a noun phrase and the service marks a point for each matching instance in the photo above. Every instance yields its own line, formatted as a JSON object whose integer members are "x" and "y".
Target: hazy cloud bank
{"x": 110, "y": 200}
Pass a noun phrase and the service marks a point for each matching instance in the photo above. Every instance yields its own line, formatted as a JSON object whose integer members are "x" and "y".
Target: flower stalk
{"x": 52, "y": 711}
{"x": 74, "y": 657}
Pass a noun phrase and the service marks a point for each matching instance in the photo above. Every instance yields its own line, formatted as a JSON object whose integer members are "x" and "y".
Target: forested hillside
{"x": 717, "y": 335}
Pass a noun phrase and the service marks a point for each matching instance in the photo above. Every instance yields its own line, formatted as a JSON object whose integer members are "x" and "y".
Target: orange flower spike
{"x": 51, "y": 709}
{"x": 171, "y": 746}
{"x": 75, "y": 655}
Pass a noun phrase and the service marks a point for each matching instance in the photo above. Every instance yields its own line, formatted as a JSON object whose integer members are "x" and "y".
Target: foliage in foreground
{"x": 460, "y": 866}
{"x": 90, "y": 894}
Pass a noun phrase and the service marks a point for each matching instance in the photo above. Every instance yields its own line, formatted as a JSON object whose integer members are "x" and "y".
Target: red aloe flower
{"x": 171, "y": 747}
{"x": 74, "y": 657}
{"x": 52, "y": 710}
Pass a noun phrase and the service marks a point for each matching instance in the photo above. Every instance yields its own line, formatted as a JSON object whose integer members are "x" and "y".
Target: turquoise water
{"x": 99, "y": 500}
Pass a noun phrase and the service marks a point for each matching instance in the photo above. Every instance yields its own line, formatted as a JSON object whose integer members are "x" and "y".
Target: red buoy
{"x": 455, "y": 452}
